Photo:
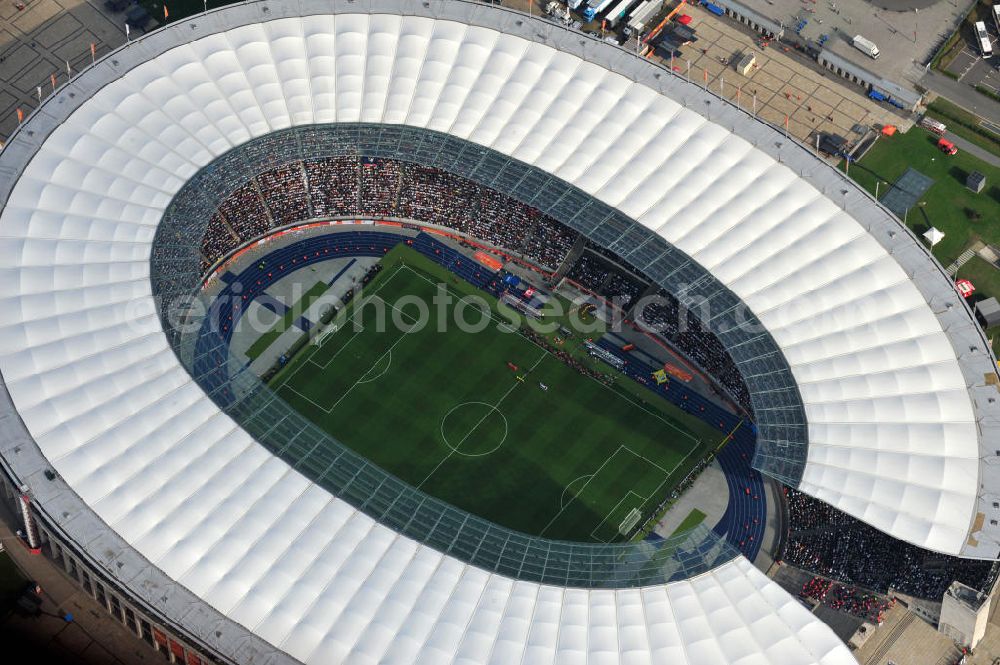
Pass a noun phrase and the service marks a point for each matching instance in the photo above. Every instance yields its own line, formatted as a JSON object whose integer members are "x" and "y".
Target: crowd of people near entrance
{"x": 828, "y": 542}
{"x": 349, "y": 186}
{"x": 868, "y": 606}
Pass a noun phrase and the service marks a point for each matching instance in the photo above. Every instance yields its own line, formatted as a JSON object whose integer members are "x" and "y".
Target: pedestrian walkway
{"x": 39, "y": 39}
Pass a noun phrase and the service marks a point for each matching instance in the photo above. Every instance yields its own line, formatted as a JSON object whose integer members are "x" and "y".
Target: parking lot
{"x": 970, "y": 66}
{"x": 906, "y": 38}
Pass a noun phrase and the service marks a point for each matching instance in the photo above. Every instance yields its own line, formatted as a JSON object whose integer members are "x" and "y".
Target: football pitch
{"x": 483, "y": 417}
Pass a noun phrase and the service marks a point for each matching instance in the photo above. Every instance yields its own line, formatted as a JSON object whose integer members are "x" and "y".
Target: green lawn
{"x": 693, "y": 519}
{"x": 287, "y": 320}
{"x": 441, "y": 409}
{"x": 986, "y": 279}
{"x": 949, "y": 203}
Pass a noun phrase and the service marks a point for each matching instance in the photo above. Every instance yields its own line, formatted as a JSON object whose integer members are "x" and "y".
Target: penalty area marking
{"x": 368, "y": 379}
{"x": 343, "y": 317}
{"x": 610, "y": 515}
{"x": 563, "y": 504}
{"x": 490, "y": 409}
{"x": 562, "y": 498}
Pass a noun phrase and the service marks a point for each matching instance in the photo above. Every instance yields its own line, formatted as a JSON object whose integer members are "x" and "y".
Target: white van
{"x": 865, "y": 46}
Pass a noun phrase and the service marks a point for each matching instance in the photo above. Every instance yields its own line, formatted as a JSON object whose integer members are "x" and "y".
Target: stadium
{"x": 241, "y": 477}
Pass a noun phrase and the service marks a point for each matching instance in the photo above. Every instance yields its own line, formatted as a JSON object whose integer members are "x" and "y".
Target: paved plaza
{"x": 814, "y": 101}
{"x": 37, "y": 42}
{"x": 94, "y": 637}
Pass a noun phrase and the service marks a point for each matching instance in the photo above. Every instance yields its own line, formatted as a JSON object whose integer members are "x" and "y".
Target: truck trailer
{"x": 866, "y": 46}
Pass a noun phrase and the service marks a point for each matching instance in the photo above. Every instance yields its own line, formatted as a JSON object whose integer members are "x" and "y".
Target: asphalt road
{"x": 973, "y": 149}
{"x": 966, "y": 97}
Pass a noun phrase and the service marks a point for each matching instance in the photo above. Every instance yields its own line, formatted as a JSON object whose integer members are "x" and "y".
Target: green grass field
{"x": 962, "y": 123}
{"x": 440, "y": 408}
{"x": 693, "y": 519}
{"x": 986, "y": 279}
{"x": 950, "y": 206}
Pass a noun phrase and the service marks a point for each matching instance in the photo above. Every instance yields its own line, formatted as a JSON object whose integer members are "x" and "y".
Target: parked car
{"x": 947, "y": 147}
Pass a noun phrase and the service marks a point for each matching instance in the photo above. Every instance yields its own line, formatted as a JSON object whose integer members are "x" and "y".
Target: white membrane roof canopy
{"x": 895, "y": 379}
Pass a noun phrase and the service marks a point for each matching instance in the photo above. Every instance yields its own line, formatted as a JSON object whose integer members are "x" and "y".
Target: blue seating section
{"x": 468, "y": 269}
{"x": 212, "y": 359}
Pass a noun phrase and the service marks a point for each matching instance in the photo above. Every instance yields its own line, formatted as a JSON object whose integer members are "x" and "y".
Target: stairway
{"x": 962, "y": 259}
{"x": 891, "y": 639}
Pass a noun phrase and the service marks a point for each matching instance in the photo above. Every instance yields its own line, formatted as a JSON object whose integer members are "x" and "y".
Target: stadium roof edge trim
{"x": 88, "y": 259}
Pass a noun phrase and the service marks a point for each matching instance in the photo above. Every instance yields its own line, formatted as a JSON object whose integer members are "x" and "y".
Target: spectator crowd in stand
{"x": 244, "y": 211}
{"x": 380, "y": 182}
{"x": 607, "y": 280}
{"x": 284, "y": 190}
{"x": 218, "y": 240}
{"x": 346, "y": 186}
{"x": 376, "y": 187}
{"x": 826, "y": 541}
{"x": 333, "y": 185}
{"x": 597, "y": 271}
{"x": 664, "y": 315}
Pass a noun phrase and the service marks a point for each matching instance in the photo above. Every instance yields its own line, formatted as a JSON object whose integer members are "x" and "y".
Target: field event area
{"x": 485, "y": 416}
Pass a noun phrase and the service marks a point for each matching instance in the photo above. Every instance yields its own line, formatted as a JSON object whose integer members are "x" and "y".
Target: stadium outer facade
{"x": 156, "y": 491}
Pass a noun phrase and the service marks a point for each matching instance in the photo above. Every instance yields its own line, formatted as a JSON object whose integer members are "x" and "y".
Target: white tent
{"x": 933, "y": 235}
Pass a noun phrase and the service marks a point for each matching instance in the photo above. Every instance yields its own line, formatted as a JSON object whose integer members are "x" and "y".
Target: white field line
{"x": 363, "y": 378}
{"x": 642, "y": 502}
{"x": 592, "y": 476}
{"x": 503, "y": 323}
{"x": 359, "y": 327}
{"x": 302, "y": 361}
{"x": 495, "y": 408}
